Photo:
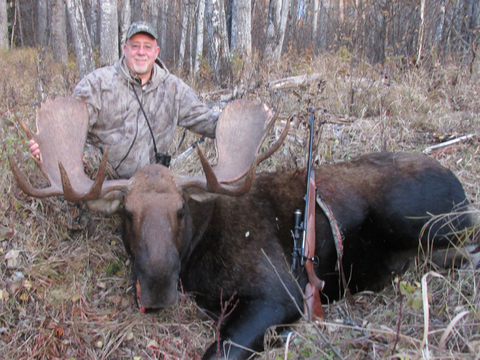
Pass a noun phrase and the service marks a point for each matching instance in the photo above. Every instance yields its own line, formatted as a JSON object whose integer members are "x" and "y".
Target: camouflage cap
{"x": 141, "y": 27}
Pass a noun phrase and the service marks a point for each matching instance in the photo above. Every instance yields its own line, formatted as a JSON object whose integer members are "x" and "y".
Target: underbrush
{"x": 69, "y": 297}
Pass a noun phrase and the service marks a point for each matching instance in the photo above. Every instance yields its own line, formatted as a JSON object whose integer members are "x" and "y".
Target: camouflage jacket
{"x": 116, "y": 118}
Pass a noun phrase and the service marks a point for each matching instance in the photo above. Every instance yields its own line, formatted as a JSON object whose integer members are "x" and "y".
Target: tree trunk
{"x": 81, "y": 38}
{"x": 277, "y": 22}
{"x": 153, "y": 12}
{"x": 59, "y": 31}
{"x": 323, "y": 16}
{"x": 218, "y": 50}
{"x": 108, "y": 32}
{"x": 200, "y": 22}
{"x": 421, "y": 32}
{"x": 315, "y": 25}
{"x": 3, "y": 26}
{"x": 94, "y": 23}
{"x": 139, "y": 10}
{"x": 380, "y": 33}
{"x": 163, "y": 29}
{"x": 242, "y": 28}
{"x": 42, "y": 23}
{"x": 124, "y": 16}
{"x": 183, "y": 34}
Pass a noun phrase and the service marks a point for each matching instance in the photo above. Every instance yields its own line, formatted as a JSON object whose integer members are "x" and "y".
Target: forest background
{"x": 239, "y": 31}
{"x": 383, "y": 75}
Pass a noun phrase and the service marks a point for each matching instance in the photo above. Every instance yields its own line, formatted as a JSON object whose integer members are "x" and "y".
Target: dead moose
{"x": 225, "y": 235}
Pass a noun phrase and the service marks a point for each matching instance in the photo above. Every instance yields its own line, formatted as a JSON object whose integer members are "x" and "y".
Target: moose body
{"x": 241, "y": 246}
{"x": 229, "y": 233}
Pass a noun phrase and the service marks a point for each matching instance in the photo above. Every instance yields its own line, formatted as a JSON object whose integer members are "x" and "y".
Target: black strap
{"x": 146, "y": 119}
{"x": 163, "y": 159}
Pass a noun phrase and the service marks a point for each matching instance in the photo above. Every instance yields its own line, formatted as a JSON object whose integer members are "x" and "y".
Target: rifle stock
{"x": 312, "y": 305}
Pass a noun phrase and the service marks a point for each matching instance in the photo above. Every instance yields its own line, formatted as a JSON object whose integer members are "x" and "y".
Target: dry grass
{"x": 69, "y": 297}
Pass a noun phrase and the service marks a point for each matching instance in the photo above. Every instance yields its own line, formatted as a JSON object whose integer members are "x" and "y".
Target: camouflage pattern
{"x": 116, "y": 119}
{"x": 92, "y": 157}
{"x": 141, "y": 27}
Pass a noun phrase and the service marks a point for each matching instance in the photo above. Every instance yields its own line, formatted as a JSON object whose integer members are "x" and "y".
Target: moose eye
{"x": 181, "y": 212}
{"x": 128, "y": 215}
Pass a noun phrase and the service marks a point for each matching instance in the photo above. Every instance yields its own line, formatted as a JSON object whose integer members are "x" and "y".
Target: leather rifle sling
{"x": 312, "y": 305}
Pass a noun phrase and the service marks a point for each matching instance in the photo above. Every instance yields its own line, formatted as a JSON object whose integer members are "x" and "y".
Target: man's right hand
{"x": 34, "y": 148}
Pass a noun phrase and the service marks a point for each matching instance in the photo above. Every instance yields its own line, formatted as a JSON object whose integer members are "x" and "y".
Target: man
{"x": 133, "y": 95}
{"x": 135, "y": 106}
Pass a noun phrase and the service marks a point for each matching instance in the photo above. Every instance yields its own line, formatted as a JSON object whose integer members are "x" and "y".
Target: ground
{"x": 68, "y": 296}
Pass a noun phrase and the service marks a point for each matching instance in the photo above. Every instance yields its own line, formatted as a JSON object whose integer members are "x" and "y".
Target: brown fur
{"x": 242, "y": 246}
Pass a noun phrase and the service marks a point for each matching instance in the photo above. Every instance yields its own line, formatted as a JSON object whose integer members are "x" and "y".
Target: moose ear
{"x": 199, "y": 195}
{"x": 107, "y": 204}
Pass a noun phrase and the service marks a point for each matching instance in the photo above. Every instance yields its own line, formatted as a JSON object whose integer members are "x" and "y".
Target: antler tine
{"x": 240, "y": 132}
{"x": 24, "y": 127}
{"x": 25, "y": 185}
{"x": 276, "y": 145}
{"x": 212, "y": 181}
{"x": 61, "y": 134}
{"x": 94, "y": 192}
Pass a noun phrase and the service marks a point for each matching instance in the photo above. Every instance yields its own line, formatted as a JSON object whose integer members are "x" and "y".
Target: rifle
{"x": 306, "y": 253}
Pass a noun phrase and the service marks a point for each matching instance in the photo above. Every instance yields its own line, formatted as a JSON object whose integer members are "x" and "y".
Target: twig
{"x": 397, "y": 336}
{"x": 447, "y": 143}
{"x": 223, "y": 315}
{"x": 350, "y": 321}
{"x": 426, "y": 314}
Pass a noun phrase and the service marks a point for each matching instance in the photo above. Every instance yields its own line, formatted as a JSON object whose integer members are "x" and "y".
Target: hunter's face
{"x": 141, "y": 50}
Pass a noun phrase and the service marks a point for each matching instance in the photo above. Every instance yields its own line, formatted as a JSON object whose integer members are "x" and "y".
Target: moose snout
{"x": 156, "y": 295}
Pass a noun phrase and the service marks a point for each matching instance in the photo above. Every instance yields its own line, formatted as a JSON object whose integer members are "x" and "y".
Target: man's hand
{"x": 34, "y": 148}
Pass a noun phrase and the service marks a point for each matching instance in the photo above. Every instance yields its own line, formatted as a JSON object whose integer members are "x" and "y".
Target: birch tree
{"x": 42, "y": 23}
{"x": 81, "y": 38}
{"x": 315, "y": 24}
{"x": 59, "y": 31}
{"x": 163, "y": 29}
{"x": 3, "y": 26}
{"x": 199, "y": 47}
{"x": 242, "y": 28}
{"x": 183, "y": 33}
{"x": 93, "y": 22}
{"x": 218, "y": 50}
{"x": 124, "y": 16}
{"x": 277, "y": 22}
{"x": 108, "y": 32}
{"x": 421, "y": 31}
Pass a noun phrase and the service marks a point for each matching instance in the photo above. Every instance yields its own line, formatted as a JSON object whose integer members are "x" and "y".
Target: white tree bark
{"x": 94, "y": 23}
{"x": 218, "y": 49}
{"x": 200, "y": 23}
{"x": 108, "y": 32}
{"x": 163, "y": 28}
{"x": 421, "y": 31}
{"x": 124, "y": 16}
{"x": 59, "y": 31}
{"x": 42, "y": 23}
{"x": 153, "y": 12}
{"x": 81, "y": 38}
{"x": 242, "y": 28}
{"x": 315, "y": 24}
{"x": 183, "y": 34}
{"x": 3, "y": 26}
{"x": 277, "y": 22}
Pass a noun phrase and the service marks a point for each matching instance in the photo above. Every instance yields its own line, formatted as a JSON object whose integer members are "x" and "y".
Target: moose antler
{"x": 241, "y": 129}
{"x": 61, "y": 134}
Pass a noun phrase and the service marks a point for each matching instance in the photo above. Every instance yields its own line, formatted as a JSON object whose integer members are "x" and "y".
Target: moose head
{"x": 157, "y": 225}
